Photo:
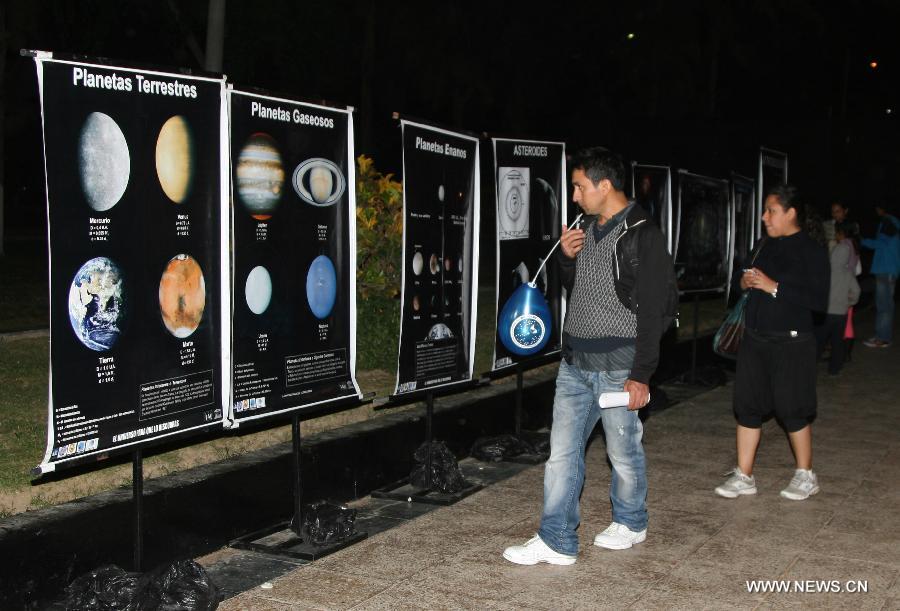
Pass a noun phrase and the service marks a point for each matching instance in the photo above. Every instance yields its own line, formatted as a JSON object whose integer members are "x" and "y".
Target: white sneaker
{"x": 534, "y": 551}
{"x": 803, "y": 485}
{"x": 737, "y": 484}
{"x": 619, "y": 536}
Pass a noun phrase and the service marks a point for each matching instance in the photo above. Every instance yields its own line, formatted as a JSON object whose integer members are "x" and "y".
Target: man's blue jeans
{"x": 575, "y": 413}
{"x": 884, "y": 306}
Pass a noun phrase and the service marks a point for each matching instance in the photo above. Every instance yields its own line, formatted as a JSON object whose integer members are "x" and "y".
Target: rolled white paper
{"x": 615, "y": 399}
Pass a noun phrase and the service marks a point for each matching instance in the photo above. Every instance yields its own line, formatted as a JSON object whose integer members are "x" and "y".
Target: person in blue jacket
{"x": 885, "y": 268}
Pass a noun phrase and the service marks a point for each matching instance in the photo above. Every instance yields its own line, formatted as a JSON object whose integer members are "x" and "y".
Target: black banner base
{"x": 528, "y": 459}
{"x": 406, "y": 492}
{"x": 280, "y": 540}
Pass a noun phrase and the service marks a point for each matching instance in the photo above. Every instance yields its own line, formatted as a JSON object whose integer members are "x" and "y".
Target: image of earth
{"x": 97, "y": 303}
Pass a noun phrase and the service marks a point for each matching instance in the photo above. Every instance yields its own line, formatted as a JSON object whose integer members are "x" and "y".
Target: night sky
{"x": 696, "y": 84}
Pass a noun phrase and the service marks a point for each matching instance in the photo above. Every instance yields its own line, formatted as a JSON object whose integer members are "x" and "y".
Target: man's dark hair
{"x": 598, "y": 164}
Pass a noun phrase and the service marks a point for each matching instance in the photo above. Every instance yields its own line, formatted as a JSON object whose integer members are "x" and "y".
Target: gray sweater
{"x": 844, "y": 290}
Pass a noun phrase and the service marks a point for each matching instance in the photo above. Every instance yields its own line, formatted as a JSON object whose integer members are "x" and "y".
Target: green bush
{"x": 379, "y": 230}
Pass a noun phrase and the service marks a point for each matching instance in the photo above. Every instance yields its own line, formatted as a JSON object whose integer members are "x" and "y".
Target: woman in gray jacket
{"x": 843, "y": 293}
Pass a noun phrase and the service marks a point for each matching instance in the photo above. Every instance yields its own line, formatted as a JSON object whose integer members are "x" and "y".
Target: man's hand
{"x": 638, "y": 394}
{"x": 572, "y": 241}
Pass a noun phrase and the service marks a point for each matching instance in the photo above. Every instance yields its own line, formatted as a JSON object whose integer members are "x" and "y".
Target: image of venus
{"x": 175, "y": 158}
{"x": 182, "y": 295}
{"x": 104, "y": 164}
{"x": 260, "y": 176}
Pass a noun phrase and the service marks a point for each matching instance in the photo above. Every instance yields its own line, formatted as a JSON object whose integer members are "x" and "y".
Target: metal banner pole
{"x": 297, "y": 520}
{"x": 137, "y": 492}
{"x": 519, "y": 384}
{"x": 429, "y": 416}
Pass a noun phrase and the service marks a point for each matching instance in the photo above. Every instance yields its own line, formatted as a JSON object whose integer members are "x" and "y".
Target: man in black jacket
{"x": 619, "y": 279}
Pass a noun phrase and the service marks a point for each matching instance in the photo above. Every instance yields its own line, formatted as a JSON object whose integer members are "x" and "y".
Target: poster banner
{"x": 441, "y": 199}
{"x": 530, "y": 191}
{"x": 743, "y": 200}
{"x": 773, "y": 171}
{"x": 703, "y": 235}
{"x": 134, "y": 167}
{"x": 293, "y": 247}
{"x": 651, "y": 187}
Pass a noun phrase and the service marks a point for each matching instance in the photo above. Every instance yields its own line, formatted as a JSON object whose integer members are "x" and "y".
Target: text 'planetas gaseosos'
{"x": 280, "y": 114}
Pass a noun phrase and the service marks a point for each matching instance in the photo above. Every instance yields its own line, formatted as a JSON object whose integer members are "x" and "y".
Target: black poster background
{"x": 702, "y": 248}
{"x": 652, "y": 189}
{"x": 743, "y": 203}
{"x": 773, "y": 171}
{"x": 286, "y": 335}
{"x": 440, "y": 258}
{"x": 104, "y": 400}
{"x": 520, "y": 245}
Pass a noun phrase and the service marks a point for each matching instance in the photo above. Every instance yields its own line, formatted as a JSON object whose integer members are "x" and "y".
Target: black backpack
{"x": 671, "y": 310}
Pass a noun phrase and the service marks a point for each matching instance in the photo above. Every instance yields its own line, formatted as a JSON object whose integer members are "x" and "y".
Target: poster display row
{"x": 135, "y": 202}
{"x": 294, "y": 248}
{"x": 743, "y": 199}
{"x": 202, "y": 270}
{"x": 704, "y": 233}
{"x": 772, "y": 171}
{"x": 441, "y": 201}
{"x": 531, "y": 209}
{"x": 651, "y": 188}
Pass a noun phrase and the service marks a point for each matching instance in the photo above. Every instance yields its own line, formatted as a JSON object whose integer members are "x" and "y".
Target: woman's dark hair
{"x": 789, "y": 197}
{"x": 598, "y": 163}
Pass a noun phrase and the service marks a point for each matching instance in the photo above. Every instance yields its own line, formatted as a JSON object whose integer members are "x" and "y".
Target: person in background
{"x": 839, "y": 214}
{"x": 776, "y": 363}
{"x": 885, "y": 268}
{"x": 842, "y": 295}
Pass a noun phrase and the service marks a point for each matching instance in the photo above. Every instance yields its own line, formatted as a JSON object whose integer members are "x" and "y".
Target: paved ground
{"x": 700, "y": 552}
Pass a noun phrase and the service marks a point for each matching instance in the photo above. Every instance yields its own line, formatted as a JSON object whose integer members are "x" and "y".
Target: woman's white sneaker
{"x": 535, "y": 551}
{"x": 619, "y": 536}
{"x": 803, "y": 485}
{"x": 737, "y": 485}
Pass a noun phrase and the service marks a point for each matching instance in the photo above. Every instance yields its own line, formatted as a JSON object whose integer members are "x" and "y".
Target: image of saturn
{"x": 182, "y": 295}
{"x": 319, "y": 182}
{"x": 260, "y": 176}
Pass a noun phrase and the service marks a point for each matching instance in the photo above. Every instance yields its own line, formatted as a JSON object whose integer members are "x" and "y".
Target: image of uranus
{"x": 182, "y": 295}
{"x": 97, "y": 303}
{"x": 104, "y": 163}
{"x": 258, "y": 289}
{"x": 175, "y": 158}
{"x": 321, "y": 286}
{"x": 260, "y": 176}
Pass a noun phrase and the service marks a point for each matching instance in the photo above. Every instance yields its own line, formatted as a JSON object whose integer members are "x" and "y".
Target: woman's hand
{"x": 757, "y": 279}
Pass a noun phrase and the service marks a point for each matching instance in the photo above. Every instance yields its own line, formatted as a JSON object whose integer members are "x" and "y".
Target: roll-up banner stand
{"x": 293, "y": 198}
{"x": 703, "y": 235}
{"x": 441, "y": 199}
{"x": 773, "y": 171}
{"x": 651, "y": 188}
{"x": 743, "y": 203}
{"x": 136, "y": 208}
{"x": 529, "y": 179}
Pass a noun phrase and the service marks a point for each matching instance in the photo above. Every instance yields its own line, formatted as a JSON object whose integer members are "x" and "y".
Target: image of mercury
{"x": 513, "y": 186}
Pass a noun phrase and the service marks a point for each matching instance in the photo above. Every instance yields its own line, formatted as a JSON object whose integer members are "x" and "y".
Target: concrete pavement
{"x": 701, "y": 550}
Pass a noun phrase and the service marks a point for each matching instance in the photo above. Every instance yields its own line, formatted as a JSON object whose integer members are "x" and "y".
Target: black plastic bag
{"x": 180, "y": 586}
{"x": 445, "y": 474}
{"x": 500, "y": 447}
{"x": 328, "y": 523}
{"x": 106, "y": 588}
